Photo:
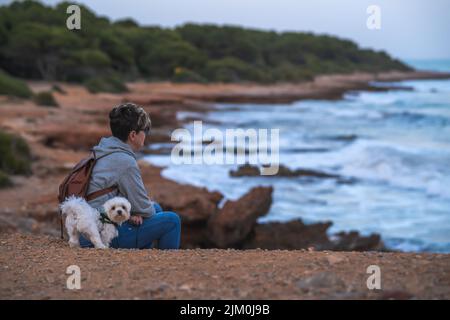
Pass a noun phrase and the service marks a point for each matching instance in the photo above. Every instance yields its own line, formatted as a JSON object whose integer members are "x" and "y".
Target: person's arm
{"x": 132, "y": 187}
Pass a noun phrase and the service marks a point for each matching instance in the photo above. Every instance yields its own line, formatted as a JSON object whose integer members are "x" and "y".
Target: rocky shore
{"x": 60, "y": 137}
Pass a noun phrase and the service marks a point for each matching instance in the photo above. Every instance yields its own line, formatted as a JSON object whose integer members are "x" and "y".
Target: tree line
{"x": 36, "y": 44}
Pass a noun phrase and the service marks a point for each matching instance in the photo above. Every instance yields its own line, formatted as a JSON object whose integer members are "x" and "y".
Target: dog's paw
{"x": 101, "y": 246}
{"x": 74, "y": 244}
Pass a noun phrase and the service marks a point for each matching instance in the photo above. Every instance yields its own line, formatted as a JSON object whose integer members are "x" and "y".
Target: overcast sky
{"x": 410, "y": 29}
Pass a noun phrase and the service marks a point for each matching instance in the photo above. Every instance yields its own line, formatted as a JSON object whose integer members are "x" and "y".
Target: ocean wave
{"x": 430, "y": 118}
{"x": 396, "y": 166}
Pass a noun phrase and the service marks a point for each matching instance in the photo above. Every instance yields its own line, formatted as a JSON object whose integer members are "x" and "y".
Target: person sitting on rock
{"x": 117, "y": 166}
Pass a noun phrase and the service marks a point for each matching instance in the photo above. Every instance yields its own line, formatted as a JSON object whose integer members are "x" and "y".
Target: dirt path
{"x": 34, "y": 267}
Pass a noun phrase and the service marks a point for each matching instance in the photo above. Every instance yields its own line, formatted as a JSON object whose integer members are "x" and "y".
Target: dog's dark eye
{"x": 124, "y": 208}
{"x": 114, "y": 208}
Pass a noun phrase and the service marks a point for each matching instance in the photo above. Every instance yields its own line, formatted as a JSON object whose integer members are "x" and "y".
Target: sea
{"x": 391, "y": 150}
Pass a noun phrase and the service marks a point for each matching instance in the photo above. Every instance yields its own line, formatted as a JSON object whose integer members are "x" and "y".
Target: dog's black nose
{"x": 119, "y": 212}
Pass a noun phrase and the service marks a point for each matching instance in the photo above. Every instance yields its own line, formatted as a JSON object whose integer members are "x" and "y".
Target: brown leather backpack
{"x": 77, "y": 182}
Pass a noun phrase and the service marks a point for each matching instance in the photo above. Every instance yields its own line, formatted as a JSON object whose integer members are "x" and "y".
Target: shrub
{"x": 15, "y": 155}
{"x": 13, "y": 87}
{"x": 57, "y": 88}
{"x": 45, "y": 98}
{"x": 230, "y": 69}
{"x": 111, "y": 84}
{"x": 5, "y": 181}
{"x": 186, "y": 75}
{"x": 92, "y": 58}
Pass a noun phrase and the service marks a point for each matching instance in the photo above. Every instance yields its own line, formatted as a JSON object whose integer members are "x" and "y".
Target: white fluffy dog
{"x": 99, "y": 228}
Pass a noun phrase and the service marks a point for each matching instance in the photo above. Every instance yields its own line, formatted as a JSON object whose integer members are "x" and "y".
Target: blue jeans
{"x": 164, "y": 226}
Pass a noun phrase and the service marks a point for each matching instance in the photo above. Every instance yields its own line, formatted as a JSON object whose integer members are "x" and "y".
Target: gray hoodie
{"x": 119, "y": 167}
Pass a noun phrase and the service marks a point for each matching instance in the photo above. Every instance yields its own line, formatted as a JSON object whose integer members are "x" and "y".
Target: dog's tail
{"x": 73, "y": 205}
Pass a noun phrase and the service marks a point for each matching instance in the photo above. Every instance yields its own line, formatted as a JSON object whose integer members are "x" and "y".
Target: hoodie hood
{"x": 112, "y": 144}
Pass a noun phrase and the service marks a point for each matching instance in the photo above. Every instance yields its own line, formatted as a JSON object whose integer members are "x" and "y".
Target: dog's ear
{"x": 106, "y": 206}
{"x": 128, "y": 205}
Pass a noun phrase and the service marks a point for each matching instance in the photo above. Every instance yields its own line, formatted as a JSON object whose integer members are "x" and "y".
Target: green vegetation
{"x": 15, "y": 157}
{"x": 13, "y": 87}
{"x": 45, "y": 98}
{"x": 57, "y": 88}
{"x": 185, "y": 75}
{"x": 36, "y": 44}
{"x": 5, "y": 181}
{"x": 105, "y": 84}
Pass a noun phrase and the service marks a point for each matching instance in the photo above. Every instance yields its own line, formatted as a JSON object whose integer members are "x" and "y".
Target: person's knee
{"x": 175, "y": 218}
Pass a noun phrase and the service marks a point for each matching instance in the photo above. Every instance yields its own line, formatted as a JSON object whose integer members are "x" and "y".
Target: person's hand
{"x": 136, "y": 220}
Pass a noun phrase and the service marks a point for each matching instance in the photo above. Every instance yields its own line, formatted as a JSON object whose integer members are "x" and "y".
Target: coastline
{"x": 327, "y": 87}
{"x": 58, "y": 145}
{"x": 59, "y": 137}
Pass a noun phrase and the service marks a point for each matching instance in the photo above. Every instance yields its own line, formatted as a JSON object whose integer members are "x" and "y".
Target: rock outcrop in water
{"x": 248, "y": 170}
{"x": 297, "y": 235}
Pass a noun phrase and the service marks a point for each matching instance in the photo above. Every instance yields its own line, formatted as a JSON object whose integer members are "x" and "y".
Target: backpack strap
{"x": 61, "y": 224}
{"x": 99, "y": 193}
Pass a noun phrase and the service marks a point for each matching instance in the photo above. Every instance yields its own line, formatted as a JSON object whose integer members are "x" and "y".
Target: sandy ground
{"x": 35, "y": 267}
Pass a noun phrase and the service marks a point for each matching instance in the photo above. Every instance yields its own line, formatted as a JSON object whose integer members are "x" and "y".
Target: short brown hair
{"x": 127, "y": 117}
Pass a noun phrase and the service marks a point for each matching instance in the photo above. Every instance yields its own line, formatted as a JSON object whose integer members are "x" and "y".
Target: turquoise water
{"x": 435, "y": 65}
{"x": 394, "y": 146}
